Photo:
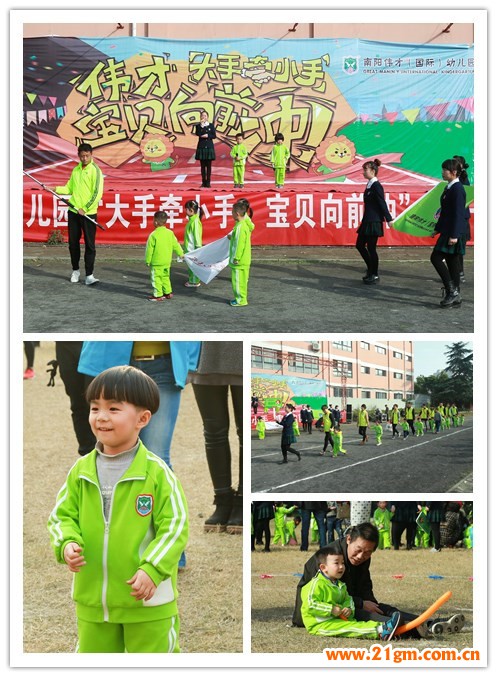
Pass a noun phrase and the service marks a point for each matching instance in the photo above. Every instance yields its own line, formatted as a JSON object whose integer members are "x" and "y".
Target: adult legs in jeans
{"x": 331, "y": 527}
{"x": 212, "y": 401}
{"x": 320, "y": 516}
{"x": 158, "y": 434}
{"x": 67, "y": 354}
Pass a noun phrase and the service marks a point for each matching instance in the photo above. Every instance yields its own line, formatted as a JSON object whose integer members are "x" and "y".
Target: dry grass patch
{"x": 273, "y": 598}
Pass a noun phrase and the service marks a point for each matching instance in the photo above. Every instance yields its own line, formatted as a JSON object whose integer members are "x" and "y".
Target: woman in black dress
{"x": 451, "y": 226}
{"x": 464, "y": 179}
{"x": 205, "y": 131}
{"x": 287, "y": 434}
{"x": 371, "y": 228}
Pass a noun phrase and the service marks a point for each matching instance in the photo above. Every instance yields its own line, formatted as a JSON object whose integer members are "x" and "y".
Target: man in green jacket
{"x": 85, "y": 187}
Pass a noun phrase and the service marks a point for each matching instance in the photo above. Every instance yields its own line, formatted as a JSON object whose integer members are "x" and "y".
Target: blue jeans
{"x": 320, "y": 516}
{"x": 332, "y": 525}
{"x": 157, "y": 435}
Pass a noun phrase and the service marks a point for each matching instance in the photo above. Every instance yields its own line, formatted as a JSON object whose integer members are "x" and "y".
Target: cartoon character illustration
{"x": 156, "y": 150}
{"x": 335, "y": 153}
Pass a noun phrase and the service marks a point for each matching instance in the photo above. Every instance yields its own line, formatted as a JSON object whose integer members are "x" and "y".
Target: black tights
{"x": 212, "y": 402}
{"x": 366, "y": 246}
{"x": 447, "y": 266}
{"x": 205, "y": 168}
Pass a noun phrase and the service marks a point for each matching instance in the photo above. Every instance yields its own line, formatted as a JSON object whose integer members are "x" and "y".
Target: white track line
{"x": 352, "y": 465}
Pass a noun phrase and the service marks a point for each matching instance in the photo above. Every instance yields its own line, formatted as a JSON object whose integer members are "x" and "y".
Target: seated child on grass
{"x": 327, "y": 607}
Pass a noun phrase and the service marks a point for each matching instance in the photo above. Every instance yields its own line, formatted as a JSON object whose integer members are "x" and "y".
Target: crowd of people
{"x": 425, "y": 524}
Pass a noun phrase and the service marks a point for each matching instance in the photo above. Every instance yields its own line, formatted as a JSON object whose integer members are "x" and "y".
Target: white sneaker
{"x": 91, "y": 279}
{"x": 75, "y": 276}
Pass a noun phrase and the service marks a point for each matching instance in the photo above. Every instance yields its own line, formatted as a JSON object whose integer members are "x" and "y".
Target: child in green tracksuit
{"x": 239, "y": 154}
{"x": 240, "y": 255}
{"x": 291, "y": 524}
{"x": 423, "y": 533}
{"x": 193, "y": 235}
{"x": 279, "y": 159}
{"x": 377, "y": 428}
{"x": 382, "y": 519}
{"x": 327, "y": 607}
{"x": 161, "y": 245}
{"x": 419, "y": 427}
{"x": 405, "y": 428}
{"x": 327, "y": 426}
{"x": 337, "y": 436}
{"x": 260, "y": 426}
{"x": 280, "y": 533}
{"x": 120, "y": 523}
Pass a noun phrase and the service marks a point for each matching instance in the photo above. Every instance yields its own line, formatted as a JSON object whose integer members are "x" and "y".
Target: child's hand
{"x": 73, "y": 557}
{"x": 236, "y": 262}
{"x": 346, "y": 612}
{"x": 142, "y": 585}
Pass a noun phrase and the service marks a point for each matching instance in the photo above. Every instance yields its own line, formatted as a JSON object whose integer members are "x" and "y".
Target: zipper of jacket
{"x": 106, "y": 546}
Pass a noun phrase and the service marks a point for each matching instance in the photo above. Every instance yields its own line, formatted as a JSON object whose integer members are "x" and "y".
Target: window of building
{"x": 343, "y": 345}
{"x": 265, "y": 358}
{"x": 381, "y": 372}
{"x": 380, "y": 350}
{"x": 409, "y": 358}
{"x": 398, "y": 396}
{"x": 306, "y": 364}
{"x": 381, "y": 396}
{"x": 397, "y": 374}
{"x": 365, "y": 370}
{"x": 340, "y": 367}
{"x": 365, "y": 345}
{"x": 408, "y": 377}
{"x": 397, "y": 354}
{"x": 366, "y": 394}
{"x": 337, "y": 392}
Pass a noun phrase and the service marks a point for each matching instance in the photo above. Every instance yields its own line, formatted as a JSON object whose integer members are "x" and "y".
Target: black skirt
{"x": 371, "y": 229}
{"x": 205, "y": 152}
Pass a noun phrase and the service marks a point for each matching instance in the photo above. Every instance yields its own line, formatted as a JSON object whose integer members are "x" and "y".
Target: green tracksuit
{"x": 377, "y": 428}
{"x": 337, "y": 437}
{"x": 280, "y": 533}
{"x": 319, "y": 596}
{"x": 422, "y": 538}
{"x": 279, "y": 158}
{"x": 161, "y": 245}
{"x": 239, "y": 154}
{"x": 382, "y": 520}
{"x": 193, "y": 240}
{"x": 147, "y": 529}
{"x": 240, "y": 251}
{"x": 290, "y": 531}
{"x": 296, "y": 429}
{"x": 419, "y": 428}
{"x": 260, "y": 426}
{"x": 85, "y": 186}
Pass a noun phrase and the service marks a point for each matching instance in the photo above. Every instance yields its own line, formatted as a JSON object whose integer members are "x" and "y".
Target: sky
{"x": 429, "y": 356}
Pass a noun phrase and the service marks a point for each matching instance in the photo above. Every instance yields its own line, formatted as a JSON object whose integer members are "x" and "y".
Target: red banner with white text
{"x": 280, "y": 218}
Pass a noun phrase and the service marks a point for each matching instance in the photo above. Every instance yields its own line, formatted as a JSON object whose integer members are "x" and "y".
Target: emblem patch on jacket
{"x": 144, "y": 504}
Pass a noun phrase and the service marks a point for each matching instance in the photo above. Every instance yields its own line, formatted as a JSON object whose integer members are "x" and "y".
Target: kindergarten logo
{"x": 144, "y": 504}
{"x": 350, "y": 64}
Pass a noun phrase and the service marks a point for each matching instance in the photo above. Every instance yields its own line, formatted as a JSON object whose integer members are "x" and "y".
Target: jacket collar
{"x": 87, "y": 466}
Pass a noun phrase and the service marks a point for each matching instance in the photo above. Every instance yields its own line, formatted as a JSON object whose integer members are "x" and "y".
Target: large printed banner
{"x": 337, "y": 102}
{"x": 297, "y": 218}
{"x": 275, "y": 390}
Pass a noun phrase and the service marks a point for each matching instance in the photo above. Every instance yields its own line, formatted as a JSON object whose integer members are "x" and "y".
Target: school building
{"x": 374, "y": 373}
